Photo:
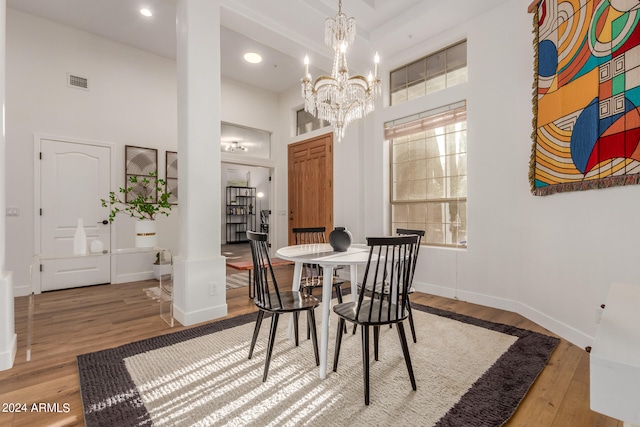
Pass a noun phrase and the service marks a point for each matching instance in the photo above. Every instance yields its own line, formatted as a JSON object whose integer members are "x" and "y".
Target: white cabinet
{"x": 615, "y": 356}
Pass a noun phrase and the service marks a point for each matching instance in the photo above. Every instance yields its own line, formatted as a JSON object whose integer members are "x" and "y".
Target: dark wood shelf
{"x": 240, "y": 215}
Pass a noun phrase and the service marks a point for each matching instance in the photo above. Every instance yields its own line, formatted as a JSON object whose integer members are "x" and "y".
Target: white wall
{"x": 250, "y": 106}
{"x": 559, "y": 253}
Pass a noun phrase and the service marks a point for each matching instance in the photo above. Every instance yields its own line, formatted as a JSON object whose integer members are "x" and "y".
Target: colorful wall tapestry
{"x": 587, "y": 93}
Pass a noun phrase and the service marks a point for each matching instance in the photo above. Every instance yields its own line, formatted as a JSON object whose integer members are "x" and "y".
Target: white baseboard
{"x": 571, "y": 334}
{"x": 210, "y": 313}
{"x": 21, "y": 291}
{"x": 7, "y": 357}
{"x": 553, "y": 325}
{"x": 8, "y": 337}
{"x": 133, "y": 277}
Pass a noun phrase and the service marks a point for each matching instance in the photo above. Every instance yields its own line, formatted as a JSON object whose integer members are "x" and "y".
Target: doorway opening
{"x": 247, "y": 202}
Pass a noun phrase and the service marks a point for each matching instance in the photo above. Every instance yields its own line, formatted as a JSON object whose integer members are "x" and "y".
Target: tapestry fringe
{"x": 534, "y": 107}
{"x": 612, "y": 181}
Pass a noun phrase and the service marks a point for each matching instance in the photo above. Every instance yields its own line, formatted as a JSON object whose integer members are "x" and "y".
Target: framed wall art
{"x": 140, "y": 162}
{"x": 171, "y": 176}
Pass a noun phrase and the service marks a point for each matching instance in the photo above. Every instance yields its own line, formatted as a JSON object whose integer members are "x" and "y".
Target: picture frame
{"x": 171, "y": 176}
{"x": 139, "y": 163}
{"x": 238, "y": 178}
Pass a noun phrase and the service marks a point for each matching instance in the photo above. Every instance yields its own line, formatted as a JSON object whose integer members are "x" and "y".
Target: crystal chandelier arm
{"x": 371, "y": 86}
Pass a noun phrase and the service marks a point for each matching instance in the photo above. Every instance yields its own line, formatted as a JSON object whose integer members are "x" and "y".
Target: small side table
{"x": 166, "y": 284}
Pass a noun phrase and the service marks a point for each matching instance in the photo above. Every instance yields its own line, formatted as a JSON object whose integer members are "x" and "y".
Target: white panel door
{"x": 74, "y": 177}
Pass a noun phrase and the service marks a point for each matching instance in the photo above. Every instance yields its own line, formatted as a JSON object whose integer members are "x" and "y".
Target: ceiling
{"x": 282, "y": 31}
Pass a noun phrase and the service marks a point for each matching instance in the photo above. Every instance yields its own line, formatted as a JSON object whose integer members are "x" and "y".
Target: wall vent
{"x": 78, "y": 82}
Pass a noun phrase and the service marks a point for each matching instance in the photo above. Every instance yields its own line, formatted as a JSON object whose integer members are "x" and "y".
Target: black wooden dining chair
{"x": 391, "y": 261}
{"x": 411, "y": 289}
{"x": 312, "y": 274}
{"x": 270, "y": 299}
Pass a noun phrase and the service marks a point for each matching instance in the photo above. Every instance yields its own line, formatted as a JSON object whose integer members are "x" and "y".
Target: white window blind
{"x": 429, "y": 174}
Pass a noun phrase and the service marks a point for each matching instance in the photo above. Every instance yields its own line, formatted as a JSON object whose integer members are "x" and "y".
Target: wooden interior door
{"x": 311, "y": 184}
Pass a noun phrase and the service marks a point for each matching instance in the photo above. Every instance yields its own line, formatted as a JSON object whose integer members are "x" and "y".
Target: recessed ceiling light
{"x": 252, "y": 57}
{"x": 146, "y": 12}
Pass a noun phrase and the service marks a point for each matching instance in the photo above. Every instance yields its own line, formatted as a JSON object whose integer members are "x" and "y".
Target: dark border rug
{"x": 111, "y": 397}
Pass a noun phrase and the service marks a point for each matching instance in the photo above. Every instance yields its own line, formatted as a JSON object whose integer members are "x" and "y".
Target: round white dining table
{"x": 324, "y": 255}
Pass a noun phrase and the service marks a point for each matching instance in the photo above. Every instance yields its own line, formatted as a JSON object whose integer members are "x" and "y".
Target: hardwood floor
{"x": 83, "y": 320}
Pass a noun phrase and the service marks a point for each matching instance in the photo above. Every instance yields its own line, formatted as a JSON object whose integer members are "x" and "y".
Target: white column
{"x": 199, "y": 269}
{"x": 8, "y": 339}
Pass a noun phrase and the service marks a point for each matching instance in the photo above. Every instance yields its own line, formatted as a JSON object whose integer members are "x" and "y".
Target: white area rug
{"x": 468, "y": 372}
{"x": 233, "y": 281}
{"x": 237, "y": 280}
{"x": 154, "y": 293}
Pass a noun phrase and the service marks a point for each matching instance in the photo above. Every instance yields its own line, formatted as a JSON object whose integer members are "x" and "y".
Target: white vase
{"x": 146, "y": 236}
{"x": 80, "y": 239}
{"x": 96, "y": 246}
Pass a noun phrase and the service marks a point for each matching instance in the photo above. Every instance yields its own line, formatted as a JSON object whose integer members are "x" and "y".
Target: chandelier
{"x": 340, "y": 99}
{"x": 234, "y": 146}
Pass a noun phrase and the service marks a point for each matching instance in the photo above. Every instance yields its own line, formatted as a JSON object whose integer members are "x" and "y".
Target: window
{"x": 307, "y": 122}
{"x": 440, "y": 70}
{"x": 237, "y": 140}
{"x": 429, "y": 174}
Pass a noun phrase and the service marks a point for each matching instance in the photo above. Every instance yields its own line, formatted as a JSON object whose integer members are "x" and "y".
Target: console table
{"x": 166, "y": 284}
{"x": 615, "y": 356}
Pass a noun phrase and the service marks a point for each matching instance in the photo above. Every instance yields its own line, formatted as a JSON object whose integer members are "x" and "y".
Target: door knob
{"x": 105, "y": 222}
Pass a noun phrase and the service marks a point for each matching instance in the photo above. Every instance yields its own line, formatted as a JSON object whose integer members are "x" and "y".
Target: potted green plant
{"x": 143, "y": 199}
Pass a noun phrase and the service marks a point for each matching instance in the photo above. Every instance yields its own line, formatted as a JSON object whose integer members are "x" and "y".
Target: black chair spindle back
{"x": 388, "y": 276}
{"x": 267, "y": 294}
{"x": 420, "y": 234}
{"x": 310, "y": 236}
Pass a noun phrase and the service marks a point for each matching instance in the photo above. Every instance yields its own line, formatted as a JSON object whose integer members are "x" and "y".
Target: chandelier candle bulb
{"x": 376, "y": 60}
{"x": 306, "y": 66}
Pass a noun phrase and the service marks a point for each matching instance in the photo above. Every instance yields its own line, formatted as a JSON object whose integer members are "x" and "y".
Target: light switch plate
{"x": 13, "y": 211}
